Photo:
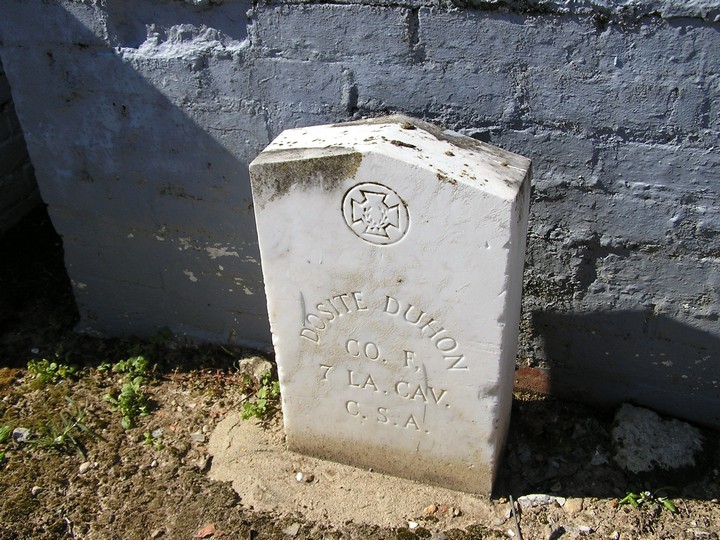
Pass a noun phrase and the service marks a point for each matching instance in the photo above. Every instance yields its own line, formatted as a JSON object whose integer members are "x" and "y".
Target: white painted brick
{"x": 299, "y": 92}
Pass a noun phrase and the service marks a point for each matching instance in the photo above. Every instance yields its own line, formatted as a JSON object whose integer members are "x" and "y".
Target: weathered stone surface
{"x": 392, "y": 253}
{"x": 645, "y": 442}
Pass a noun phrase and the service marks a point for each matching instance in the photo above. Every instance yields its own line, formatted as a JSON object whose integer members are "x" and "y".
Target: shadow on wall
{"x": 565, "y": 448}
{"x": 147, "y": 182}
{"x": 634, "y": 356}
{"x": 18, "y": 188}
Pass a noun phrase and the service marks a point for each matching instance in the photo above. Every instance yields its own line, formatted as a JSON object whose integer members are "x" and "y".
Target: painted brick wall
{"x": 141, "y": 119}
{"x": 18, "y": 189}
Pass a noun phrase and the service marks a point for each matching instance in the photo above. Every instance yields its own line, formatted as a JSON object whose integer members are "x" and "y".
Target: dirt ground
{"x": 69, "y": 468}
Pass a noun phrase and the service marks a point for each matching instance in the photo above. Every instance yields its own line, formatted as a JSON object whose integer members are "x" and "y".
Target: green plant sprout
{"x": 136, "y": 366}
{"x": 5, "y": 432}
{"x": 45, "y": 371}
{"x": 638, "y": 499}
{"x": 153, "y": 440}
{"x": 266, "y": 399}
{"x": 131, "y": 402}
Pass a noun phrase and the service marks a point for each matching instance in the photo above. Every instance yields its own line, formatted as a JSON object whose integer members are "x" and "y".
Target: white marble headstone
{"x": 393, "y": 254}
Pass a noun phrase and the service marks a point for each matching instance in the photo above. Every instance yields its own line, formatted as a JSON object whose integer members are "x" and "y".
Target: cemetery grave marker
{"x": 392, "y": 253}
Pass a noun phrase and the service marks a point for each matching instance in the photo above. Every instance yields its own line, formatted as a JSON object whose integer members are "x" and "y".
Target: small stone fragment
{"x": 254, "y": 367}
{"x": 413, "y": 525}
{"x": 429, "y": 510}
{"x": 21, "y": 434}
{"x": 208, "y": 531}
{"x": 198, "y": 437}
{"x": 599, "y": 458}
{"x": 85, "y": 467}
{"x": 584, "y": 529}
{"x": 292, "y": 530}
{"x": 573, "y": 505}
{"x": 36, "y": 490}
{"x": 304, "y": 477}
{"x": 539, "y": 499}
{"x": 203, "y": 463}
{"x": 644, "y": 441}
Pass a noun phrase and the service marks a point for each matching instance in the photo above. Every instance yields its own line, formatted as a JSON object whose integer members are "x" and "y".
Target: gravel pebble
{"x": 21, "y": 434}
{"x": 573, "y": 505}
{"x": 36, "y": 490}
{"x": 292, "y": 530}
{"x": 539, "y": 499}
{"x": 304, "y": 477}
{"x": 85, "y": 467}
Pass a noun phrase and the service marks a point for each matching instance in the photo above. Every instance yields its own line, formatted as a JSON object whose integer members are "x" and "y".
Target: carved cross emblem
{"x": 375, "y": 213}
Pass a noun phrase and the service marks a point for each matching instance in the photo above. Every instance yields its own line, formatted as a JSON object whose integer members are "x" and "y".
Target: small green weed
{"x": 153, "y": 440}
{"x": 62, "y": 436}
{"x": 46, "y": 371}
{"x": 5, "y": 432}
{"x": 131, "y": 402}
{"x": 636, "y": 500}
{"x": 266, "y": 399}
{"x": 136, "y": 366}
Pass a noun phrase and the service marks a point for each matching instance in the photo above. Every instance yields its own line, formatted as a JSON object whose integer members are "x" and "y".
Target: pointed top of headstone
{"x": 451, "y": 156}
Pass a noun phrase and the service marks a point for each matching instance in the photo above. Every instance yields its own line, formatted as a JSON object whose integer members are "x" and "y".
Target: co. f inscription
{"x": 333, "y": 308}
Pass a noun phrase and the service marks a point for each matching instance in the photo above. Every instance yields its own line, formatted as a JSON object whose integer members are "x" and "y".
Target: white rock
{"x": 392, "y": 254}
{"x": 539, "y": 499}
{"x": 644, "y": 441}
{"x": 292, "y": 530}
{"x": 36, "y": 490}
{"x": 85, "y": 467}
{"x": 21, "y": 435}
{"x": 304, "y": 477}
{"x": 254, "y": 367}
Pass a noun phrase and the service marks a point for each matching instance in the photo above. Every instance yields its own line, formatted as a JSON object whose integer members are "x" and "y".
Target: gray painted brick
{"x": 301, "y": 32}
{"x": 569, "y": 72}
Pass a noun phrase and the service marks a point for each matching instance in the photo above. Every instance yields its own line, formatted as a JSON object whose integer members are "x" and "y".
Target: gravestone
{"x": 392, "y": 253}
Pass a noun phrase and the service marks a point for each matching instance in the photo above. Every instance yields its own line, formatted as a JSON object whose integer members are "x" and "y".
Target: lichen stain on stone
{"x": 444, "y": 178}
{"x": 403, "y": 144}
{"x": 276, "y": 171}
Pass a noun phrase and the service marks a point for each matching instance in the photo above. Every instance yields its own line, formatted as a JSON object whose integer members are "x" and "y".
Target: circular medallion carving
{"x": 375, "y": 213}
